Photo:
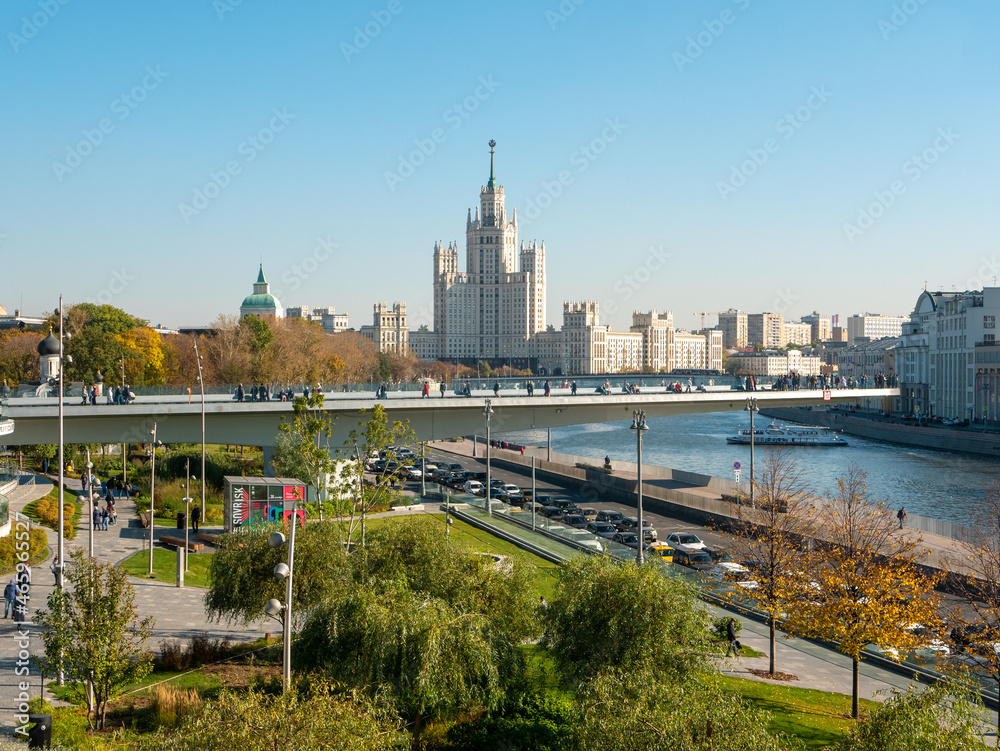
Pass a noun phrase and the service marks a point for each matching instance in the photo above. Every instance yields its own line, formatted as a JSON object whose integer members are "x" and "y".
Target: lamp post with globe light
{"x": 152, "y": 497}
{"x": 487, "y": 413}
{"x": 283, "y": 571}
{"x": 751, "y": 408}
{"x": 640, "y": 427}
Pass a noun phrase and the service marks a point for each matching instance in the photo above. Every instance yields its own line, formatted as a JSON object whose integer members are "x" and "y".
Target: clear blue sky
{"x": 695, "y": 91}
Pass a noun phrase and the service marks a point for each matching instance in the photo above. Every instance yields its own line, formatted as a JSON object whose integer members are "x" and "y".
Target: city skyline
{"x": 337, "y": 145}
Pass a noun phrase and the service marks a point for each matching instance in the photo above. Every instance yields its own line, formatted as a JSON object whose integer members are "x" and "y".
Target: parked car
{"x": 662, "y": 552}
{"x": 602, "y": 529}
{"x": 630, "y": 539}
{"x": 614, "y": 517}
{"x": 685, "y": 541}
{"x": 630, "y": 523}
{"x": 577, "y": 521}
{"x": 696, "y": 559}
{"x": 473, "y": 486}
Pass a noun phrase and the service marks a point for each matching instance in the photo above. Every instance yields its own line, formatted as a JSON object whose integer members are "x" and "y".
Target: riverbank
{"x": 881, "y": 429}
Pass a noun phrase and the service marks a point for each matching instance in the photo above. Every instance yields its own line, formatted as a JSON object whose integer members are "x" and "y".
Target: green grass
{"x": 165, "y": 566}
{"x": 544, "y": 573}
{"x": 818, "y": 718}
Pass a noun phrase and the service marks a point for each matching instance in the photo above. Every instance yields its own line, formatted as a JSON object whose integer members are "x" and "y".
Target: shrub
{"x": 720, "y": 627}
{"x": 172, "y": 704}
{"x": 172, "y": 656}
{"x": 37, "y": 541}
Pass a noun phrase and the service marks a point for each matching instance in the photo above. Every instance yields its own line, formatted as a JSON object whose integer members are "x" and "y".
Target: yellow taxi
{"x": 661, "y": 552}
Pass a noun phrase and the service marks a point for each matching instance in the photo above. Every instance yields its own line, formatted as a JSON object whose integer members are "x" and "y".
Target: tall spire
{"x": 492, "y": 184}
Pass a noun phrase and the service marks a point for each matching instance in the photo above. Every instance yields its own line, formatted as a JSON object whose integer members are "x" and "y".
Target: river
{"x": 937, "y": 484}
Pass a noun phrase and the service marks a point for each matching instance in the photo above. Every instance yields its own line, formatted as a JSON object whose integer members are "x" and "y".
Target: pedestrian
{"x": 96, "y": 517}
{"x": 734, "y": 646}
{"x": 496, "y": 388}
{"x": 442, "y": 389}
{"x": 195, "y": 518}
{"x": 112, "y": 512}
{"x": 548, "y": 389}
{"x": 9, "y": 595}
{"x": 573, "y": 388}
{"x": 427, "y": 390}
{"x": 522, "y": 450}
{"x": 901, "y": 515}
{"x": 105, "y": 517}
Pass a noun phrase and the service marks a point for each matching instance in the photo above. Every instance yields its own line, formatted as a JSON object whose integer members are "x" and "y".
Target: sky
{"x": 781, "y": 156}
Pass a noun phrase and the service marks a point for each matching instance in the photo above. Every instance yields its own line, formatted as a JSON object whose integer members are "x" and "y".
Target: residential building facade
{"x": 873, "y": 326}
{"x": 765, "y": 329}
{"x": 389, "y": 329}
{"x": 734, "y": 327}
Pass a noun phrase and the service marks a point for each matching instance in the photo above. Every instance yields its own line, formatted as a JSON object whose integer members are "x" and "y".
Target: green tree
{"x": 633, "y": 710}
{"x": 92, "y": 632}
{"x": 323, "y": 717}
{"x": 242, "y": 572}
{"x": 608, "y": 615}
{"x": 302, "y": 449}
{"x": 383, "y": 368}
{"x": 373, "y": 437}
{"x": 259, "y": 336}
{"x": 941, "y": 717}
{"x": 94, "y": 343}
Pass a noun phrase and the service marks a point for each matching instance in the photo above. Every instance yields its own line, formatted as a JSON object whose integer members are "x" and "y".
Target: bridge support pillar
{"x": 268, "y": 461}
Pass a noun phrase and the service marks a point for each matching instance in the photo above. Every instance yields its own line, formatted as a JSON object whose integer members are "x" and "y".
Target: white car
{"x": 734, "y": 573}
{"x": 508, "y": 490}
{"x": 473, "y": 486}
{"x": 405, "y": 453}
{"x": 414, "y": 473}
{"x": 685, "y": 541}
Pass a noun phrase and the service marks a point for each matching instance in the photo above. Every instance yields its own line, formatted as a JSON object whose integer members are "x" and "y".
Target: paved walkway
{"x": 179, "y": 612}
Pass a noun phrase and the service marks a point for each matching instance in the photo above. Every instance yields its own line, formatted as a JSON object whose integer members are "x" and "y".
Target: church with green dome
{"x": 261, "y": 303}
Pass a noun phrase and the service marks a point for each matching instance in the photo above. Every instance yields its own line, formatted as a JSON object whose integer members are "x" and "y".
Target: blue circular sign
{"x": 736, "y": 465}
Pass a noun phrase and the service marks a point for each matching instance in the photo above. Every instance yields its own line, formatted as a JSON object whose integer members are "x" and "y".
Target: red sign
{"x": 826, "y": 396}
{"x": 241, "y": 506}
{"x": 294, "y": 493}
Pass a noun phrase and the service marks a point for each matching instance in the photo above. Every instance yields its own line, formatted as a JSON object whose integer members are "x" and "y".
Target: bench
{"x": 178, "y": 542}
{"x": 209, "y": 537}
{"x": 144, "y": 520}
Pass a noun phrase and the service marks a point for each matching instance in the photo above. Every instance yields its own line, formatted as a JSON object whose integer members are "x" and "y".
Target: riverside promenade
{"x": 179, "y": 612}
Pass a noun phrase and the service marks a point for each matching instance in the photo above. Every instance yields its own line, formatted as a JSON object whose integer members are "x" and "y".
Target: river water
{"x": 937, "y": 484}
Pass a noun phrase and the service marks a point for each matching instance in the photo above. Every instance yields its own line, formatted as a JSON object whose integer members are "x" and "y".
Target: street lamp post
{"x": 121, "y": 364}
{"x": 273, "y": 606}
{"x": 90, "y": 500}
{"x": 201, "y": 383}
{"x": 152, "y": 497}
{"x": 751, "y": 408}
{"x": 639, "y": 426}
{"x": 487, "y": 412}
{"x": 63, "y": 360}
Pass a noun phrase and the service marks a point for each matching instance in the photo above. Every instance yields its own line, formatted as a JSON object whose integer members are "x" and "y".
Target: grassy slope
{"x": 68, "y": 498}
{"x": 165, "y": 566}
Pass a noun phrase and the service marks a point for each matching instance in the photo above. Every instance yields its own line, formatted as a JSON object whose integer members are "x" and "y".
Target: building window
{"x": 989, "y": 322}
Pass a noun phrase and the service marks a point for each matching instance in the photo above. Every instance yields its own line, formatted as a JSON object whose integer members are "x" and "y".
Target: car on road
{"x": 590, "y": 513}
{"x": 576, "y": 521}
{"x": 473, "y": 486}
{"x": 631, "y": 523}
{"x": 685, "y": 541}
{"x": 404, "y": 453}
{"x": 602, "y": 529}
{"x": 544, "y": 500}
{"x": 613, "y": 517}
{"x": 413, "y": 473}
{"x": 508, "y": 489}
{"x": 662, "y": 552}
{"x": 630, "y": 539}
{"x": 733, "y": 573}
{"x": 696, "y": 559}
{"x": 515, "y": 499}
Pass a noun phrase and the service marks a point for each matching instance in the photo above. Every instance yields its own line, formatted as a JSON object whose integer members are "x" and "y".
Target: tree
{"x": 432, "y": 626}
{"x": 981, "y": 550}
{"x": 259, "y": 336}
{"x": 771, "y": 533}
{"x": 942, "y": 717}
{"x": 632, "y": 710}
{"x": 144, "y": 358}
{"x": 19, "y": 357}
{"x": 607, "y": 615}
{"x": 375, "y": 437}
{"x": 242, "y": 572}
{"x": 300, "y": 451}
{"x": 94, "y": 345}
{"x": 869, "y": 589}
{"x": 92, "y": 632}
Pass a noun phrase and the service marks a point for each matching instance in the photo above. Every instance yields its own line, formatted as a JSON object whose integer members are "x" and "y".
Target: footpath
{"x": 816, "y": 666}
{"x": 179, "y": 612}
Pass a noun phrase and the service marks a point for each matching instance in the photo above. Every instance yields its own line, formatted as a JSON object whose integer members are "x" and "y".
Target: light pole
{"x": 273, "y": 606}
{"x": 201, "y": 383}
{"x": 121, "y": 364}
{"x": 152, "y": 497}
{"x": 751, "y": 408}
{"x": 90, "y": 500}
{"x": 487, "y": 412}
{"x": 639, "y": 426}
{"x": 63, "y": 360}
{"x": 182, "y": 561}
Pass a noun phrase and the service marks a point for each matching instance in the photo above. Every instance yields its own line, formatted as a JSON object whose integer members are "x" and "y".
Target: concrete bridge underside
{"x": 256, "y": 424}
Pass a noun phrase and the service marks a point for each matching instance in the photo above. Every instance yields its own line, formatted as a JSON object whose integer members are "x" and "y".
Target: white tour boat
{"x": 778, "y": 434}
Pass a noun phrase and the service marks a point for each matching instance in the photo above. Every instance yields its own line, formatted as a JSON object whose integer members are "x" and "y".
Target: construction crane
{"x": 708, "y": 313}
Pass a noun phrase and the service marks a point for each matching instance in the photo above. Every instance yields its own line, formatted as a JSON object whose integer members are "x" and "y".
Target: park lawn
{"x": 165, "y": 566}
{"x": 545, "y": 573}
{"x": 68, "y": 498}
{"x": 818, "y": 718}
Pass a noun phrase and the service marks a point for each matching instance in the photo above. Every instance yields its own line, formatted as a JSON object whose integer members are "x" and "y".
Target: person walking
{"x": 443, "y": 387}
{"x": 9, "y": 595}
{"x": 496, "y": 388}
{"x": 548, "y": 389}
{"x": 105, "y": 516}
{"x": 427, "y": 390}
{"x": 901, "y": 515}
{"x": 96, "y": 517}
{"x": 734, "y": 646}
{"x": 195, "y": 518}
{"x": 573, "y": 388}
{"x": 111, "y": 511}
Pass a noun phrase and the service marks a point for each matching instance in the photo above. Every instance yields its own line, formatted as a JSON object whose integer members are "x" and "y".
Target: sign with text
{"x": 827, "y": 396}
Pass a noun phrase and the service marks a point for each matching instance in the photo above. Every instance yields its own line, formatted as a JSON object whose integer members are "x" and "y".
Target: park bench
{"x": 209, "y": 537}
{"x": 144, "y": 520}
{"x": 178, "y": 542}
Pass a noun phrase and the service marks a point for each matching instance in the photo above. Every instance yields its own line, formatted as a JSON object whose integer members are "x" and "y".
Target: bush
{"x": 201, "y": 651}
{"x": 172, "y": 657}
{"x": 46, "y": 510}
{"x": 37, "y": 541}
{"x": 172, "y": 704}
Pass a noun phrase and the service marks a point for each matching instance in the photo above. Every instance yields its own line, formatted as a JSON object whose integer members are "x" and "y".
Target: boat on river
{"x": 779, "y": 434}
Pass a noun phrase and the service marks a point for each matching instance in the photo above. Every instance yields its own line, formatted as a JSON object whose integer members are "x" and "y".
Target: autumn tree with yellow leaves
{"x": 868, "y": 587}
{"x": 771, "y": 533}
